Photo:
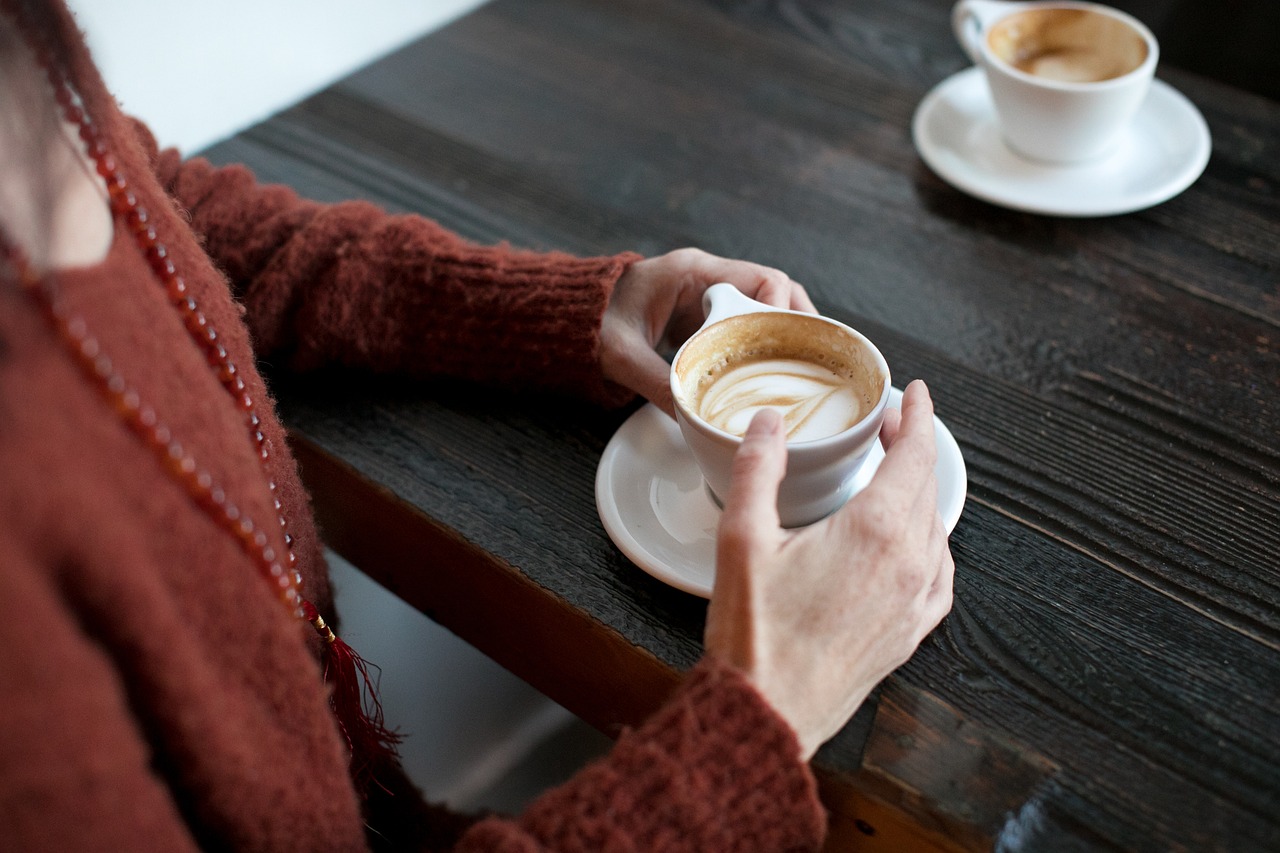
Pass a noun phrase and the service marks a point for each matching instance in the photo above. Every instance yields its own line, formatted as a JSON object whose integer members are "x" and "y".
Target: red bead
{"x": 141, "y": 418}
{"x": 107, "y": 167}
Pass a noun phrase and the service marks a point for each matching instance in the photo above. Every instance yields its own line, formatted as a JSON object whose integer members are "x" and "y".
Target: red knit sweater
{"x": 157, "y": 696}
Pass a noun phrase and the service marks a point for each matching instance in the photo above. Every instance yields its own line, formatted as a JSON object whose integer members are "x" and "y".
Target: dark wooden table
{"x": 1110, "y": 674}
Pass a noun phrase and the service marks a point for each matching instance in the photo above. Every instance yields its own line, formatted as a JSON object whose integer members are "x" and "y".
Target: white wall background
{"x": 198, "y": 72}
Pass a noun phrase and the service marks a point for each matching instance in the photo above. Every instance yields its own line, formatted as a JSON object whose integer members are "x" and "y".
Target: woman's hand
{"x": 658, "y": 303}
{"x": 816, "y": 617}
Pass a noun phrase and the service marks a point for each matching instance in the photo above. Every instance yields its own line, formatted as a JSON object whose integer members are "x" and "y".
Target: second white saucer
{"x": 1165, "y": 150}
{"x": 655, "y": 508}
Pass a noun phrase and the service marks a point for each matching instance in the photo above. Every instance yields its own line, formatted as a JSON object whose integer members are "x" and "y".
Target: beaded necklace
{"x": 353, "y": 698}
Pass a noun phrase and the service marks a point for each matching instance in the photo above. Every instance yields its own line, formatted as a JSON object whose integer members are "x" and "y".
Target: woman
{"x": 165, "y": 646}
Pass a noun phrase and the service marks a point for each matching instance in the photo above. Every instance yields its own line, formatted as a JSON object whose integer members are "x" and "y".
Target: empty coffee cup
{"x": 829, "y": 383}
{"x": 1065, "y": 78}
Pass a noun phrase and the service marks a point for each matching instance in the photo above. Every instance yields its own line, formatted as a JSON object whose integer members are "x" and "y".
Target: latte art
{"x": 814, "y": 401}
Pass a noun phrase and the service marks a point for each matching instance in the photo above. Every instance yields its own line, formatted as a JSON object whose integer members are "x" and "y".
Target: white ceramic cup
{"x": 1057, "y": 119}
{"x": 820, "y": 472}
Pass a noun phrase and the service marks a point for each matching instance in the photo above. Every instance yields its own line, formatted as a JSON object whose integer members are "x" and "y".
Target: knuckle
{"x": 751, "y": 456}
{"x": 912, "y": 579}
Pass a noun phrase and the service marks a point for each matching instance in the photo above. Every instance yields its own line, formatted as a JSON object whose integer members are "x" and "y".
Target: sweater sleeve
{"x": 715, "y": 769}
{"x": 352, "y": 285}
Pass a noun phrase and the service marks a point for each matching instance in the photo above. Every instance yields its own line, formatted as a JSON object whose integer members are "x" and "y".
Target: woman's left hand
{"x": 657, "y": 304}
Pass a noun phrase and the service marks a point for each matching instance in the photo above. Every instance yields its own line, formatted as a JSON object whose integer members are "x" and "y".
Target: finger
{"x": 913, "y": 451}
{"x": 751, "y": 507}
{"x": 941, "y": 592}
{"x": 926, "y": 503}
{"x": 764, "y": 284}
{"x": 889, "y": 428}
{"x": 800, "y": 300}
{"x": 777, "y": 289}
{"x": 628, "y": 359}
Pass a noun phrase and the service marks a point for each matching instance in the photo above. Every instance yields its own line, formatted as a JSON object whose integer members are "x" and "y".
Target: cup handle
{"x": 724, "y": 300}
{"x": 970, "y": 20}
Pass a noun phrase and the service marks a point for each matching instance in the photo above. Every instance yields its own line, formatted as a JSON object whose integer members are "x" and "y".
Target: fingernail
{"x": 766, "y": 422}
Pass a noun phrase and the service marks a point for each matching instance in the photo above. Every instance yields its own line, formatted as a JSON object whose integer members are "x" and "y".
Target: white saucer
{"x": 1165, "y": 150}
{"x": 655, "y": 508}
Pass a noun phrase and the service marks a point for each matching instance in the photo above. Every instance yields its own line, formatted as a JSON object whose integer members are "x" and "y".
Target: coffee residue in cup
{"x": 1068, "y": 45}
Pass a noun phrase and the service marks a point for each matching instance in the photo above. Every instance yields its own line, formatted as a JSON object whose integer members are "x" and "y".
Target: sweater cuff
{"x": 715, "y": 769}
{"x": 537, "y": 318}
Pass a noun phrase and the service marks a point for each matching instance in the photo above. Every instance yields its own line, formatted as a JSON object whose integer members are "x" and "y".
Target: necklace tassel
{"x": 353, "y": 697}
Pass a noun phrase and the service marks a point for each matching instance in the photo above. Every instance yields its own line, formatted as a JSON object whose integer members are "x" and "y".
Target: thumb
{"x": 633, "y": 363}
{"x": 758, "y": 467}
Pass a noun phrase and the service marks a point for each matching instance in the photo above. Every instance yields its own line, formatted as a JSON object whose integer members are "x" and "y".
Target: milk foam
{"x": 814, "y": 401}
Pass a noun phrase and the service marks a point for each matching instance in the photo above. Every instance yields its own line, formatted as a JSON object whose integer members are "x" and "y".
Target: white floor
{"x": 198, "y": 72}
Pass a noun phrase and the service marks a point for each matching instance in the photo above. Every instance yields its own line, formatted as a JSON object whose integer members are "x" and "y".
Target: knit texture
{"x": 157, "y": 695}
{"x": 712, "y": 770}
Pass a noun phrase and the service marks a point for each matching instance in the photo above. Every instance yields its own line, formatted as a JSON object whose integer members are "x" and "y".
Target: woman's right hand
{"x": 816, "y": 617}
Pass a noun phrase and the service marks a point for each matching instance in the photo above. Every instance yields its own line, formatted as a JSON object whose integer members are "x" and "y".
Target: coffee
{"x": 811, "y": 371}
{"x": 828, "y": 380}
{"x": 1068, "y": 45}
{"x": 814, "y": 401}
